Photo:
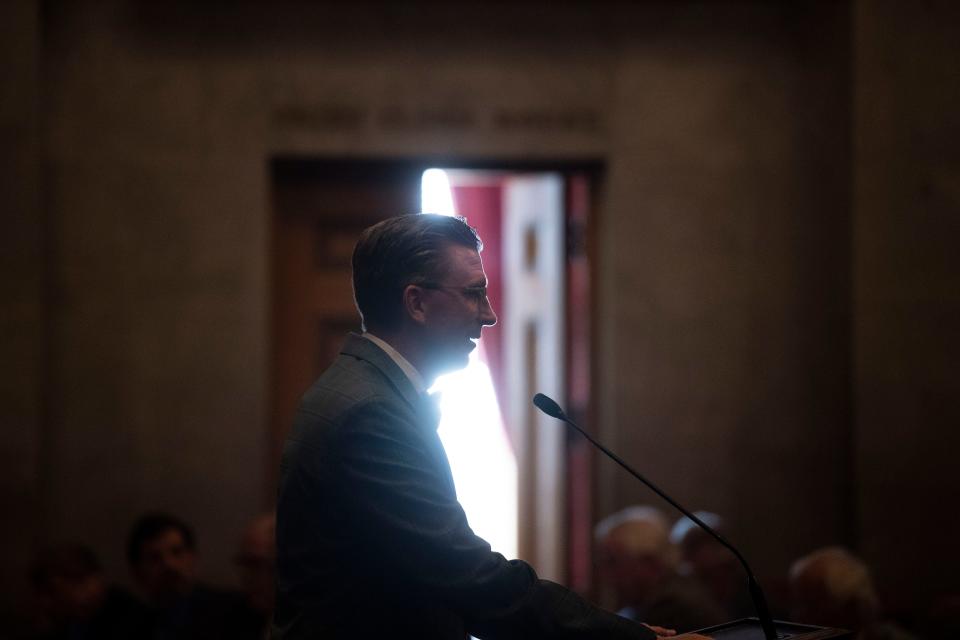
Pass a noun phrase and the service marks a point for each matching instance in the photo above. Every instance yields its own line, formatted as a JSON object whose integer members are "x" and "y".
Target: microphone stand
{"x": 552, "y": 409}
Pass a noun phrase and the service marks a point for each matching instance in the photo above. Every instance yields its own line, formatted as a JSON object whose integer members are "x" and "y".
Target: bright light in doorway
{"x": 484, "y": 467}
{"x": 436, "y": 195}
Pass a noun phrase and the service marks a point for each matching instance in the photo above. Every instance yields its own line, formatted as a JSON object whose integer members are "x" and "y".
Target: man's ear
{"x": 414, "y": 303}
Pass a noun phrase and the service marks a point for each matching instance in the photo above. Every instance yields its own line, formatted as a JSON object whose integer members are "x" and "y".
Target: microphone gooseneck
{"x": 550, "y": 407}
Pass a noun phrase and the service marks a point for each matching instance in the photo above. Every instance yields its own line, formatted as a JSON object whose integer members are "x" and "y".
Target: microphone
{"x": 550, "y": 407}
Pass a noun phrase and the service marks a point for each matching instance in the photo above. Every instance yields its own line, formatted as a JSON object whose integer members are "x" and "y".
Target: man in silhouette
{"x": 371, "y": 540}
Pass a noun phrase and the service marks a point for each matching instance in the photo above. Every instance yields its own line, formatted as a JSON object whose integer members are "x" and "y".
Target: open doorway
{"x": 524, "y": 486}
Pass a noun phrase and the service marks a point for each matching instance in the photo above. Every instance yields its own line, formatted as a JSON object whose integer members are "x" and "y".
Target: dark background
{"x": 777, "y": 299}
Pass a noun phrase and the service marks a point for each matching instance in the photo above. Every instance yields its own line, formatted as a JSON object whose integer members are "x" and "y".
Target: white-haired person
{"x": 833, "y": 588}
{"x": 639, "y": 564}
{"x": 712, "y": 565}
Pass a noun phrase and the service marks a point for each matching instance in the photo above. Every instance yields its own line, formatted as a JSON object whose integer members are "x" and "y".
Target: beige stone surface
{"x": 23, "y": 295}
{"x": 907, "y": 296}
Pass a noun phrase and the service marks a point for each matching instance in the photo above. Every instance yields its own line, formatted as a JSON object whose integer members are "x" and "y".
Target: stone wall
{"x": 726, "y": 367}
{"x": 23, "y": 325}
{"x": 907, "y": 294}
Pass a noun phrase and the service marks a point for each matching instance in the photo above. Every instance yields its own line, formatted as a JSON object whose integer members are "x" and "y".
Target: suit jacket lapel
{"x": 359, "y": 347}
{"x": 426, "y": 408}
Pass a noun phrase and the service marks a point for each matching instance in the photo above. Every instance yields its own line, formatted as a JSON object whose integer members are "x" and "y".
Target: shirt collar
{"x": 408, "y": 369}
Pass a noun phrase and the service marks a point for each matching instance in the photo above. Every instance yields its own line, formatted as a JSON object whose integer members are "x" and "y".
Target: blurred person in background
{"x": 712, "y": 565}
{"x": 77, "y": 602}
{"x": 941, "y": 620}
{"x": 162, "y": 554}
{"x": 833, "y": 588}
{"x": 256, "y": 562}
{"x": 638, "y": 562}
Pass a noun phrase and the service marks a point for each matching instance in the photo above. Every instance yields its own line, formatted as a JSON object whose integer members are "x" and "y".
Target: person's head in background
{"x": 635, "y": 554}
{"x": 832, "y": 587}
{"x": 162, "y": 557}
{"x": 706, "y": 560}
{"x": 256, "y": 561}
{"x": 69, "y": 584}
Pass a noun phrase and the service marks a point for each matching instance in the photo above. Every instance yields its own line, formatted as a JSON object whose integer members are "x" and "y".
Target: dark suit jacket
{"x": 371, "y": 540}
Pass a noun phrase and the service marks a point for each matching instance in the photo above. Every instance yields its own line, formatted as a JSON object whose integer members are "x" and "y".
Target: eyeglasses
{"x": 475, "y": 294}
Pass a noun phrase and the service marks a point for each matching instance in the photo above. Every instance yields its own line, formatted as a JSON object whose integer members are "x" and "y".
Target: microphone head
{"x": 549, "y": 406}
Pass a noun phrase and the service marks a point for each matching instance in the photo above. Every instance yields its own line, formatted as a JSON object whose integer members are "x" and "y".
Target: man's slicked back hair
{"x": 407, "y": 249}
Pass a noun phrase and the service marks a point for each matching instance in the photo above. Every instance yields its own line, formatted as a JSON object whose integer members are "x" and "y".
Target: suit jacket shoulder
{"x": 371, "y": 540}
{"x": 362, "y": 373}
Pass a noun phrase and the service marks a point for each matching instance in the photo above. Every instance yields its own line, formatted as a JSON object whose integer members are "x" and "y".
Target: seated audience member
{"x": 712, "y": 565}
{"x": 256, "y": 562}
{"x": 639, "y": 564}
{"x": 941, "y": 620}
{"x": 833, "y": 588}
{"x": 163, "y": 559}
{"x": 77, "y": 602}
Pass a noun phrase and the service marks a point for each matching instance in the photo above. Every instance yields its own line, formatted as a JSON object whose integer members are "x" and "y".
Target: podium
{"x": 750, "y": 629}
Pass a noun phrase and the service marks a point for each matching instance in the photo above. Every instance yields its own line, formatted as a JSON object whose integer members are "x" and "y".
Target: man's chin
{"x": 454, "y": 363}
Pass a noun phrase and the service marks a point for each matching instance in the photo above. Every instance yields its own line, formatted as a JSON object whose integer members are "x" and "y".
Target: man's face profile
{"x": 455, "y": 309}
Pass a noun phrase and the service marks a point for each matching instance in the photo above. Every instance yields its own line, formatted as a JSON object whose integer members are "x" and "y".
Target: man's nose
{"x": 487, "y": 316}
